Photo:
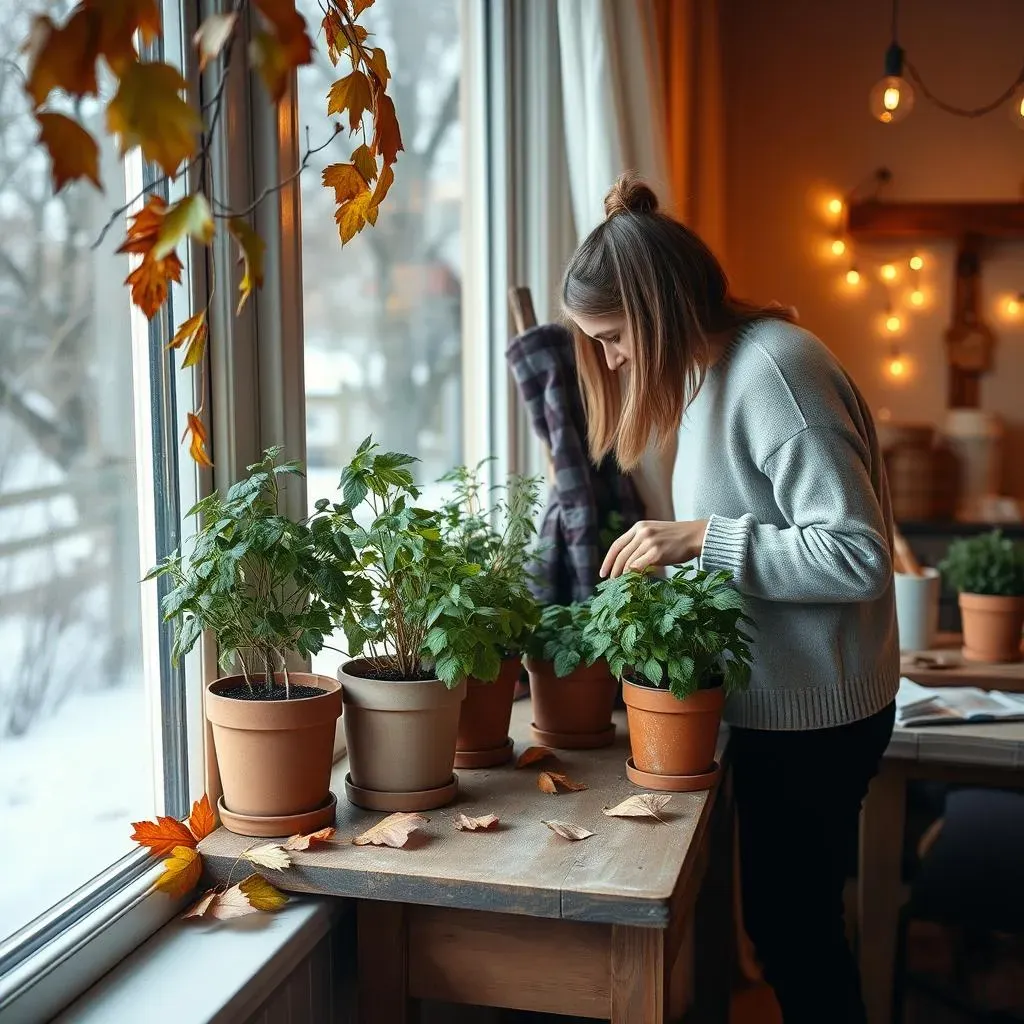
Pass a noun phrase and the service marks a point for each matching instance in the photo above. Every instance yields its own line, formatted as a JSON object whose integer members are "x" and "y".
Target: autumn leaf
{"x": 62, "y": 57}
{"x": 148, "y": 111}
{"x": 202, "y": 905}
{"x": 287, "y": 46}
{"x": 346, "y": 180}
{"x": 643, "y": 805}
{"x": 358, "y": 6}
{"x": 384, "y": 183}
{"x": 150, "y": 280}
{"x": 73, "y": 151}
{"x": 548, "y": 782}
{"x": 378, "y": 62}
{"x": 335, "y": 35}
{"x": 567, "y": 830}
{"x": 181, "y": 870}
{"x": 351, "y": 93}
{"x": 188, "y": 217}
{"x": 193, "y": 333}
{"x": 304, "y": 842}
{"x": 250, "y": 896}
{"x": 119, "y": 20}
{"x": 486, "y": 822}
{"x": 270, "y": 855}
{"x": 393, "y": 831}
{"x": 201, "y": 821}
{"x": 197, "y": 446}
{"x": 162, "y": 835}
{"x": 251, "y": 248}
{"x": 387, "y": 137}
{"x": 364, "y": 162}
{"x": 212, "y": 36}
{"x": 531, "y": 755}
{"x": 261, "y": 894}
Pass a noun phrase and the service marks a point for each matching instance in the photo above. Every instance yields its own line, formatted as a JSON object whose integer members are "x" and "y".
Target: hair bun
{"x": 630, "y": 195}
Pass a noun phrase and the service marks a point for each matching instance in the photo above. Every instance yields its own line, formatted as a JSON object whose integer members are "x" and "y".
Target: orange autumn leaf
{"x": 162, "y": 835}
{"x": 188, "y": 218}
{"x": 118, "y": 22}
{"x": 358, "y": 6}
{"x": 150, "y": 280}
{"x": 63, "y": 56}
{"x": 351, "y": 93}
{"x": 531, "y": 755}
{"x": 212, "y": 36}
{"x": 148, "y": 111}
{"x": 548, "y": 782}
{"x": 286, "y": 46}
{"x": 191, "y": 333}
{"x": 365, "y": 162}
{"x": 182, "y": 871}
{"x": 334, "y": 34}
{"x": 311, "y": 839}
{"x": 387, "y": 136}
{"x": 251, "y": 248}
{"x": 73, "y": 151}
{"x": 201, "y": 821}
{"x": 379, "y": 64}
{"x": 197, "y": 446}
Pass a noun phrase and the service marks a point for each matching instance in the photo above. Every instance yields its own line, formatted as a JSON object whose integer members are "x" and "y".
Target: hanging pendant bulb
{"x": 1017, "y": 108}
{"x": 892, "y": 98}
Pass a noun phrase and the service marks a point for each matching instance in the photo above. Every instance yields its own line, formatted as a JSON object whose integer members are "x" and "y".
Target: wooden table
{"x": 982, "y": 755}
{"x": 522, "y": 918}
{"x": 1008, "y": 677}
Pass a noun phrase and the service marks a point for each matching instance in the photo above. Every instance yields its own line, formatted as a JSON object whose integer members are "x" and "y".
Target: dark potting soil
{"x": 259, "y": 691}
{"x": 391, "y": 675}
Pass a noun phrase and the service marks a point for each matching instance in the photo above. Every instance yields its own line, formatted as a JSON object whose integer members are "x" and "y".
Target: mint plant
{"x": 987, "y": 564}
{"x": 560, "y": 637}
{"x": 261, "y": 582}
{"x": 684, "y": 632}
{"x": 423, "y": 609}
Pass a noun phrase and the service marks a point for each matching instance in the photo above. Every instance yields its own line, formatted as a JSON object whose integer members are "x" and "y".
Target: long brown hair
{"x": 674, "y": 294}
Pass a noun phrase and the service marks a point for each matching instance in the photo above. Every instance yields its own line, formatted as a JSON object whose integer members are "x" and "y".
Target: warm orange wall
{"x": 798, "y": 73}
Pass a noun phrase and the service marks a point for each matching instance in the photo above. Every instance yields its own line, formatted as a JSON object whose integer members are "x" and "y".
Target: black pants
{"x": 798, "y": 797}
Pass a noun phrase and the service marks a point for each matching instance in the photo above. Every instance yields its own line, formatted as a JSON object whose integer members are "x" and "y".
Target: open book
{"x": 949, "y": 705}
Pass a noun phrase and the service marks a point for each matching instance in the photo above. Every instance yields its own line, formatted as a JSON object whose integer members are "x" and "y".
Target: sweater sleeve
{"x": 835, "y": 546}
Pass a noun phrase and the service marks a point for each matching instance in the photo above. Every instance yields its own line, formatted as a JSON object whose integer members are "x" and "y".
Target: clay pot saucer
{"x": 673, "y": 783}
{"x": 278, "y": 824}
{"x": 419, "y": 800}
{"x": 574, "y": 740}
{"x": 484, "y": 758}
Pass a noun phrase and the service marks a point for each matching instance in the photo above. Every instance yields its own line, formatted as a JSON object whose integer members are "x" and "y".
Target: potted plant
{"x": 417, "y": 630}
{"x": 499, "y": 543}
{"x": 988, "y": 573}
{"x": 678, "y": 645}
{"x": 573, "y": 692}
{"x": 265, "y": 589}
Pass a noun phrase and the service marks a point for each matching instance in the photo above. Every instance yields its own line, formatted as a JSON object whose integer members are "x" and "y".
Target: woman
{"x": 778, "y": 479}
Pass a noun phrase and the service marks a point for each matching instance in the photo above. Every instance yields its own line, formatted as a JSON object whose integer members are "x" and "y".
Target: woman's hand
{"x": 654, "y": 543}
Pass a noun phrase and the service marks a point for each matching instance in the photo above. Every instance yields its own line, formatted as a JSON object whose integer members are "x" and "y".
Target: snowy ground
{"x": 69, "y": 790}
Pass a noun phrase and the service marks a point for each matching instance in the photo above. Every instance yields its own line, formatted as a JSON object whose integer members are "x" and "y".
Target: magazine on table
{"x": 952, "y": 705}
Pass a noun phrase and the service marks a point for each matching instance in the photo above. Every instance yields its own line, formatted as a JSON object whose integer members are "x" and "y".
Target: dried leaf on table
{"x": 270, "y": 855}
{"x": 181, "y": 871}
{"x": 531, "y": 755}
{"x": 548, "y": 782}
{"x": 162, "y": 835}
{"x": 567, "y": 830}
{"x": 464, "y": 823}
{"x": 393, "y": 831}
{"x": 643, "y": 805}
{"x": 250, "y": 896}
{"x": 304, "y": 842}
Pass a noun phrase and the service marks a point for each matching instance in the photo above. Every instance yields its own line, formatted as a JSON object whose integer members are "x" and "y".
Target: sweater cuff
{"x": 725, "y": 545}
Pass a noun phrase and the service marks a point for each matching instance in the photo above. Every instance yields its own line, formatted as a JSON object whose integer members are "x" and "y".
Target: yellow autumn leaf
{"x": 365, "y": 162}
{"x": 346, "y": 180}
{"x": 181, "y": 871}
{"x": 197, "y": 446}
{"x": 147, "y": 110}
{"x": 73, "y": 151}
{"x": 251, "y": 248}
{"x": 188, "y": 217}
{"x": 353, "y": 215}
{"x": 379, "y": 64}
{"x": 212, "y": 36}
{"x": 351, "y": 93}
{"x": 191, "y": 333}
{"x": 261, "y": 894}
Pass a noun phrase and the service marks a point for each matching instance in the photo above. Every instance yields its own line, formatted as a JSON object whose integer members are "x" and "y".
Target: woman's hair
{"x": 674, "y": 294}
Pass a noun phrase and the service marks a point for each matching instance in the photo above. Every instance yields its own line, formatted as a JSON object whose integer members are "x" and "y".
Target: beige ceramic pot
{"x": 992, "y": 627}
{"x": 275, "y": 756}
{"x": 573, "y": 712}
{"x": 401, "y": 738}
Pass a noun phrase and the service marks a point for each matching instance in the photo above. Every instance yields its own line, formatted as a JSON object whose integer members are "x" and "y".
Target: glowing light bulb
{"x": 897, "y": 367}
{"x": 835, "y": 207}
{"x": 838, "y": 247}
{"x": 888, "y": 272}
{"x": 917, "y": 297}
{"x": 853, "y": 277}
{"x": 892, "y": 98}
{"x": 916, "y": 263}
{"x": 1014, "y": 305}
{"x": 893, "y": 323}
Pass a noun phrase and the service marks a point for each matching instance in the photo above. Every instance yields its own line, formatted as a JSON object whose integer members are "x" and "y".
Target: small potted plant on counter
{"x": 419, "y": 629}
{"x": 258, "y": 582}
{"x": 499, "y": 543}
{"x": 678, "y": 645}
{"x": 573, "y": 692}
{"x": 988, "y": 573}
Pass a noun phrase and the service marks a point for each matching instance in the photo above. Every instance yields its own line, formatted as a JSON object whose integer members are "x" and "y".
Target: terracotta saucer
{"x": 484, "y": 758}
{"x": 418, "y": 800}
{"x": 575, "y": 740}
{"x": 278, "y": 824}
{"x": 673, "y": 783}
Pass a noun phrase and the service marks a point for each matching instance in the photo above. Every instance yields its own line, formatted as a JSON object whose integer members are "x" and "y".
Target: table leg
{"x": 383, "y": 963}
{"x": 640, "y": 976}
{"x": 879, "y": 887}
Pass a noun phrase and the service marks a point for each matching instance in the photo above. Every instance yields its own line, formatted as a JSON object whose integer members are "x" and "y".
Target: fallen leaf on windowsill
{"x": 643, "y": 805}
{"x": 270, "y": 855}
{"x": 485, "y": 823}
{"x": 548, "y": 782}
{"x": 305, "y": 842}
{"x": 182, "y": 871}
{"x": 250, "y": 896}
{"x": 393, "y": 831}
{"x": 531, "y": 755}
{"x": 567, "y": 830}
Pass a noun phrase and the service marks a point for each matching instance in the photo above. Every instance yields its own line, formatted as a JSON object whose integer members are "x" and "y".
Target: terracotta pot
{"x": 574, "y": 712}
{"x": 401, "y": 740}
{"x": 992, "y": 627}
{"x": 275, "y": 756}
{"x": 673, "y": 737}
{"x": 484, "y": 719}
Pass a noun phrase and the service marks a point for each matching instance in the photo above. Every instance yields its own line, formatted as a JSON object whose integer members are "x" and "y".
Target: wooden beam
{"x": 875, "y": 219}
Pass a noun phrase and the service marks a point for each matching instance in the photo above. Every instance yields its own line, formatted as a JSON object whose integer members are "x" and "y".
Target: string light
{"x": 916, "y": 263}
{"x": 892, "y": 322}
{"x": 896, "y": 365}
{"x": 835, "y": 207}
{"x": 853, "y": 277}
{"x": 888, "y": 272}
{"x": 1015, "y": 304}
{"x": 838, "y": 247}
{"x": 917, "y": 297}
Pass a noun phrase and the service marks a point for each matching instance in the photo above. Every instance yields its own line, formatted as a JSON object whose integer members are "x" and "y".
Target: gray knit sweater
{"x": 778, "y": 451}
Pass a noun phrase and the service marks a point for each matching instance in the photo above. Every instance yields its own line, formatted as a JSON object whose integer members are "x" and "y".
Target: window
{"x": 82, "y": 678}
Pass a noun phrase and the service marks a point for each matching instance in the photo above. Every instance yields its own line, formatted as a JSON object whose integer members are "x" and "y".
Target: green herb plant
{"x": 257, "y": 579}
{"x": 499, "y": 540}
{"x": 987, "y": 564}
{"x": 423, "y": 611}
{"x": 683, "y": 632}
{"x": 560, "y": 638}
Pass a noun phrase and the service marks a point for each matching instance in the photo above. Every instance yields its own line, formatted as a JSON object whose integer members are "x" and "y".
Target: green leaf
{"x": 653, "y": 671}
{"x": 566, "y": 662}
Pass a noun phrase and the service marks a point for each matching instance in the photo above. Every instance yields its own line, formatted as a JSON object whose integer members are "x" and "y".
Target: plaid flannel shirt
{"x": 589, "y": 505}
